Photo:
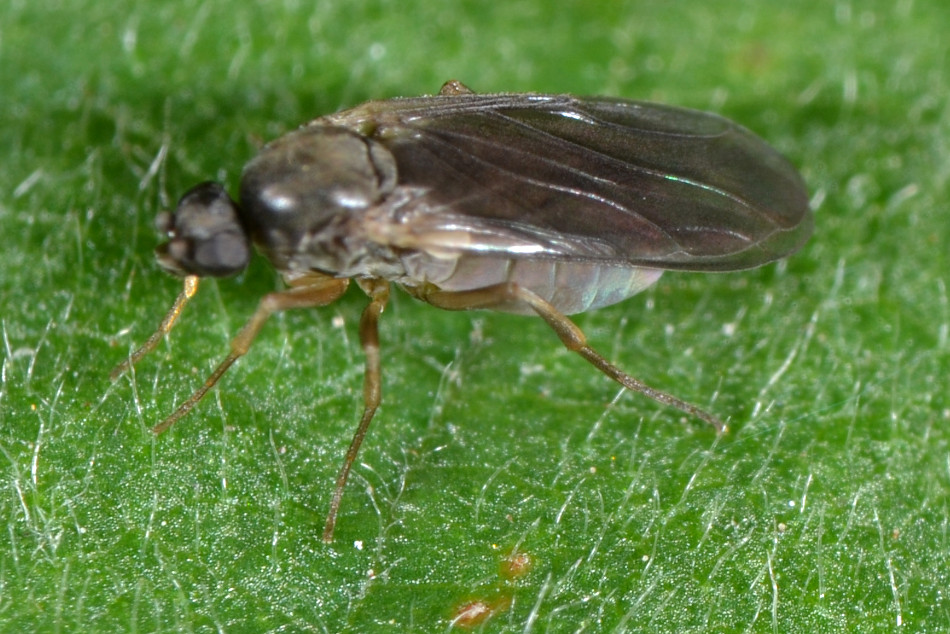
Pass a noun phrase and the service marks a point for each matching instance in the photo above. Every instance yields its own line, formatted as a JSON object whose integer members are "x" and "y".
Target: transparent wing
{"x": 589, "y": 179}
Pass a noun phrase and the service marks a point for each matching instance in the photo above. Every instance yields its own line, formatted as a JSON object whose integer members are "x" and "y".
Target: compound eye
{"x": 206, "y": 237}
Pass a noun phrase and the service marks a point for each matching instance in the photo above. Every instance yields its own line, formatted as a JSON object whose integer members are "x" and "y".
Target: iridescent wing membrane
{"x": 590, "y": 179}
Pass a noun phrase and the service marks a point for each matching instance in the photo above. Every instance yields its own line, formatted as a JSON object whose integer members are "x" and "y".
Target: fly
{"x": 525, "y": 203}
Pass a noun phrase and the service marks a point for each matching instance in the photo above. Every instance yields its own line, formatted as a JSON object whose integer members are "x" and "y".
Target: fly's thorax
{"x": 302, "y": 196}
{"x": 341, "y": 248}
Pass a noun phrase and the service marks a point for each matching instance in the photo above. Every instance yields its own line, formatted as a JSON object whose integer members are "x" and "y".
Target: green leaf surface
{"x": 825, "y": 507}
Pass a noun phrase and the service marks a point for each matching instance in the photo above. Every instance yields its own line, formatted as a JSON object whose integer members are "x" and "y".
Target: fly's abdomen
{"x": 570, "y": 286}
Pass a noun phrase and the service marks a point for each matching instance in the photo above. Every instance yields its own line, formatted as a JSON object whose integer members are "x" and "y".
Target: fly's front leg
{"x": 571, "y": 336}
{"x": 189, "y": 290}
{"x": 378, "y": 291}
{"x": 309, "y": 292}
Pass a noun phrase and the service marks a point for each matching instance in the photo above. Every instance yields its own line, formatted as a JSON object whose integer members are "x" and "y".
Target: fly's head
{"x": 205, "y": 235}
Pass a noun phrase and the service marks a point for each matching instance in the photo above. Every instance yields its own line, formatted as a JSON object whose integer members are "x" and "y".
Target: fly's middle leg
{"x": 378, "y": 291}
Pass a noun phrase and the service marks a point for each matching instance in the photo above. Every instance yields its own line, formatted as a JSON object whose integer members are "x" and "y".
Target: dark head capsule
{"x": 205, "y": 234}
{"x": 526, "y": 203}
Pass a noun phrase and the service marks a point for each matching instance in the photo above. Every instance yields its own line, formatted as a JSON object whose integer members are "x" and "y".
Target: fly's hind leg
{"x": 308, "y": 292}
{"x": 571, "y": 336}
